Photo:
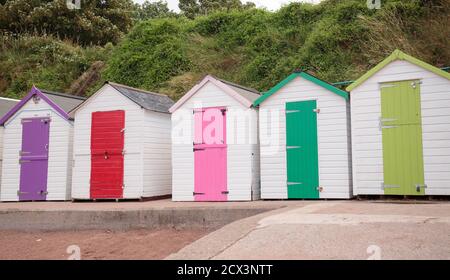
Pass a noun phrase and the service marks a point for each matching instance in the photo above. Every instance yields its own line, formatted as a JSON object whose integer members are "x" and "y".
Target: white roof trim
{"x": 216, "y": 82}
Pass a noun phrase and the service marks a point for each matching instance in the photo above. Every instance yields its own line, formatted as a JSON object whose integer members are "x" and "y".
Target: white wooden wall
{"x": 108, "y": 99}
{"x": 59, "y": 163}
{"x": 1, "y": 156}
{"x": 333, "y": 140}
{"x": 157, "y": 154}
{"x": 367, "y": 137}
{"x": 242, "y": 166}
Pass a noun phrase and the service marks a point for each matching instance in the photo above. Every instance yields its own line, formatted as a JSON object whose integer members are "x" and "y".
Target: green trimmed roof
{"x": 306, "y": 76}
{"x": 398, "y": 55}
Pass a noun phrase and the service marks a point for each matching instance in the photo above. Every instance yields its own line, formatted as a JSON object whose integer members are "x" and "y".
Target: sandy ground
{"x": 135, "y": 245}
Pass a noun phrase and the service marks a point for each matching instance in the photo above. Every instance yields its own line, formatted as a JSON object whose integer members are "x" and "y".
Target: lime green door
{"x": 301, "y": 150}
{"x": 401, "y": 125}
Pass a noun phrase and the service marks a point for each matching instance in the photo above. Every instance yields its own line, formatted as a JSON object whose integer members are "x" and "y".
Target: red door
{"x": 210, "y": 158}
{"x": 107, "y": 160}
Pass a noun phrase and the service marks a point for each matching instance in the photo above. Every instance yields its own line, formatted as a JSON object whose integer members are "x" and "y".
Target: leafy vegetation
{"x": 336, "y": 40}
{"x": 97, "y": 22}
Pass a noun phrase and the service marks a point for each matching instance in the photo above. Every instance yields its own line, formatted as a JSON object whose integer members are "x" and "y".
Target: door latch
{"x": 420, "y": 187}
{"x": 43, "y": 192}
{"x": 226, "y": 192}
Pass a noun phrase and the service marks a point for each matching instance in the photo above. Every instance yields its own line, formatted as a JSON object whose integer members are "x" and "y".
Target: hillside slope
{"x": 336, "y": 40}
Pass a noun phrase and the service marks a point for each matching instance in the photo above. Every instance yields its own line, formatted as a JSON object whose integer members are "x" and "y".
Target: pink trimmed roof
{"x": 243, "y": 95}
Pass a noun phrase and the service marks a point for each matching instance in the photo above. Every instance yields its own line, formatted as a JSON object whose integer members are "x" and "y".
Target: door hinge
{"x": 292, "y": 111}
{"x": 383, "y": 186}
{"x": 198, "y": 194}
{"x": 19, "y": 193}
{"x": 383, "y": 126}
{"x": 387, "y": 85}
{"x": 293, "y": 147}
{"x": 22, "y": 153}
{"x": 198, "y": 149}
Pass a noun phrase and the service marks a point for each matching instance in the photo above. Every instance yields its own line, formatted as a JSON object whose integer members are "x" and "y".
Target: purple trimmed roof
{"x": 51, "y": 100}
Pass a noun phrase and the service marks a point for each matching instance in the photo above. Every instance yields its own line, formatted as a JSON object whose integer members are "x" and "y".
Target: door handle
{"x": 419, "y": 187}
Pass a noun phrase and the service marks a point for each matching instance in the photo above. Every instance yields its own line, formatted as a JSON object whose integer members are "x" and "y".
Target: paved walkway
{"x": 333, "y": 230}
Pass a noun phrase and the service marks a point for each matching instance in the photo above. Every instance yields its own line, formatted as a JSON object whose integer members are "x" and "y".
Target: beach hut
{"x": 215, "y": 152}
{"x": 122, "y": 145}
{"x": 401, "y": 129}
{"x": 5, "y": 105}
{"x": 37, "y": 147}
{"x": 305, "y": 140}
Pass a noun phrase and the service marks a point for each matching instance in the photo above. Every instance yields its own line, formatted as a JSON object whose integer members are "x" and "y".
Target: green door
{"x": 301, "y": 150}
{"x": 401, "y": 125}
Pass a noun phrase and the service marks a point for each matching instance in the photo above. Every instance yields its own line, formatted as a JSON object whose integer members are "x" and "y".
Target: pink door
{"x": 210, "y": 155}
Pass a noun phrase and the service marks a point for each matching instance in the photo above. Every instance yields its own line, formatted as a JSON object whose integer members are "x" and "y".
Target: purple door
{"x": 34, "y": 159}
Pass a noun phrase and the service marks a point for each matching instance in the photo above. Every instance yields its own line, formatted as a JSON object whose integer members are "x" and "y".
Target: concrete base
{"x": 124, "y": 216}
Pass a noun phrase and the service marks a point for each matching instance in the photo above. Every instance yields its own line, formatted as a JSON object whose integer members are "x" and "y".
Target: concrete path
{"x": 333, "y": 230}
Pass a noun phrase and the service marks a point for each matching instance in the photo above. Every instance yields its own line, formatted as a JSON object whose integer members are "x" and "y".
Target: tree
{"x": 190, "y": 8}
{"x": 149, "y": 10}
{"x": 97, "y": 22}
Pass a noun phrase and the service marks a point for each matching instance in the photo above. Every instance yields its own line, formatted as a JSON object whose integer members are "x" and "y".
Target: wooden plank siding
{"x": 367, "y": 138}
{"x": 242, "y": 163}
{"x": 333, "y": 140}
